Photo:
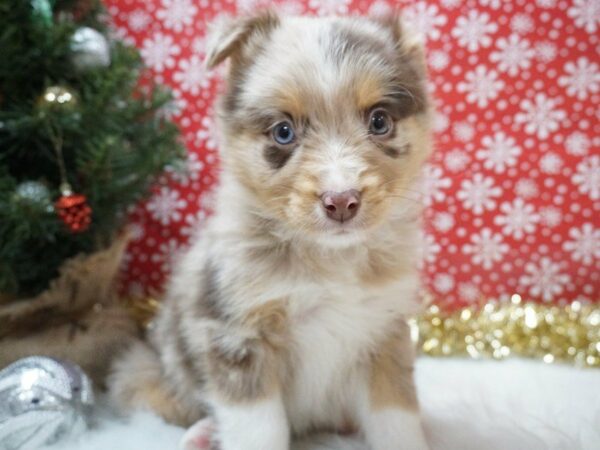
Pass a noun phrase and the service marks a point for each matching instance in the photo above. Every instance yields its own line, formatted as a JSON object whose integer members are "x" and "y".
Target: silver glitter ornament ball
{"x": 34, "y": 194}
{"x": 90, "y": 49}
{"x": 42, "y": 400}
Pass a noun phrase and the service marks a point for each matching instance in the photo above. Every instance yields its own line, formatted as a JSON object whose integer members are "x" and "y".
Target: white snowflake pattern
{"x": 478, "y": 194}
{"x": 587, "y": 177}
{"x": 463, "y": 131}
{"x": 577, "y": 144}
{"x": 545, "y": 3}
{"x": 443, "y": 283}
{"x": 473, "y": 30}
{"x": 194, "y": 223}
{"x": 208, "y": 134}
{"x": 545, "y": 51}
{"x": 380, "y": 8}
{"x": 167, "y": 253}
{"x": 493, "y": 4}
{"x": 295, "y": 7}
{"x": 521, "y": 23}
{"x": 517, "y": 218}
{"x": 584, "y": 245}
{"x": 582, "y": 78}
{"x": 526, "y": 188}
{"x": 443, "y": 222}
{"x": 139, "y": 19}
{"x": 499, "y": 152}
{"x": 468, "y": 292}
{"x": 159, "y": 52}
{"x": 192, "y": 75}
{"x": 550, "y": 216}
{"x": 329, "y": 7}
{"x": 481, "y": 86}
{"x": 165, "y": 206}
{"x": 513, "y": 54}
{"x": 586, "y": 14}
{"x": 551, "y": 163}
{"x": 486, "y": 248}
{"x": 540, "y": 117}
{"x": 545, "y": 279}
{"x": 424, "y": 20}
{"x": 456, "y": 160}
{"x": 438, "y": 60}
{"x": 433, "y": 184}
{"x": 429, "y": 248}
{"x": 176, "y": 14}
{"x": 451, "y": 3}
{"x": 189, "y": 172}
{"x": 175, "y": 107}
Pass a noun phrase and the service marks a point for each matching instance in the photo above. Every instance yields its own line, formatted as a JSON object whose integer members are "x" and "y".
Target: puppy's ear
{"x": 228, "y": 36}
{"x": 410, "y": 43}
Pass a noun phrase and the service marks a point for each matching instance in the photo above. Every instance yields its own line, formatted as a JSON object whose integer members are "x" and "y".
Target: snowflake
{"x": 208, "y": 134}
{"x": 540, "y": 116}
{"x": 577, "y": 144}
{"x": 177, "y": 13}
{"x": 456, "y": 160}
{"x": 514, "y": 54}
{"x": 481, "y": 86}
{"x": 551, "y": 163}
{"x": 136, "y": 231}
{"x": 526, "y": 188}
{"x": 190, "y": 172}
{"x": 199, "y": 45}
{"x": 192, "y": 75}
{"x": 165, "y": 206}
{"x": 451, "y": 3}
{"x": 546, "y": 3}
{"x": 433, "y": 183}
{"x": 544, "y": 280}
{"x": 380, "y": 9}
{"x": 443, "y": 283}
{"x": 476, "y": 194}
{"x": 443, "y": 222}
{"x": 521, "y": 23}
{"x": 582, "y": 79}
{"x": 493, "y": 4}
{"x": 139, "y": 20}
{"x": 585, "y": 244}
{"x": 158, "y": 52}
{"x": 329, "y": 7}
{"x": 586, "y": 14}
{"x": 167, "y": 253}
{"x": 295, "y": 8}
{"x": 175, "y": 107}
{"x": 485, "y": 248}
{"x": 517, "y": 218}
{"x": 545, "y": 51}
{"x": 588, "y": 177}
{"x": 438, "y": 60}
{"x": 463, "y": 131}
{"x": 194, "y": 223}
{"x": 473, "y": 30}
{"x": 499, "y": 152}
{"x": 424, "y": 20}
{"x": 248, "y": 6}
{"x": 440, "y": 122}
{"x": 429, "y": 249}
{"x": 468, "y": 292}
{"x": 550, "y": 216}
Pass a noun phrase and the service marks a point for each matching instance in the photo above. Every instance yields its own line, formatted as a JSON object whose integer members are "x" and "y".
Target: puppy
{"x": 287, "y": 315}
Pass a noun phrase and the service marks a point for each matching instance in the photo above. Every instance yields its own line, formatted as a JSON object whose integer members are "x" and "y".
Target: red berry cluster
{"x": 74, "y": 212}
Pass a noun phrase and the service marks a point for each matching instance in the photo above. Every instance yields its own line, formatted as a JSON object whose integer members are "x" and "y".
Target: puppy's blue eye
{"x": 283, "y": 133}
{"x": 380, "y": 123}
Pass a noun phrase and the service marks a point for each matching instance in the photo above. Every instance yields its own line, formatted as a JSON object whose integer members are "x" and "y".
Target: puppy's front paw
{"x": 200, "y": 436}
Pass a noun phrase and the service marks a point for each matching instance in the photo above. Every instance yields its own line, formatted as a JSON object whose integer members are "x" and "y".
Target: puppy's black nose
{"x": 341, "y": 206}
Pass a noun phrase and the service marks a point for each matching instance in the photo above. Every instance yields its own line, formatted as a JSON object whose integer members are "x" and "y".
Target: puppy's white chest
{"x": 331, "y": 335}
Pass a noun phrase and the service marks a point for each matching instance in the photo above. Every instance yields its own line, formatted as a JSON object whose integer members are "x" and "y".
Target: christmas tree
{"x": 82, "y": 136}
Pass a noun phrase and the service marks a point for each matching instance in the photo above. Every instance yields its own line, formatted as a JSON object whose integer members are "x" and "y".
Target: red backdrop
{"x": 513, "y": 190}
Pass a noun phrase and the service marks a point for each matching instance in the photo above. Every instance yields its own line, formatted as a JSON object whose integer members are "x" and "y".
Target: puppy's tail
{"x": 137, "y": 382}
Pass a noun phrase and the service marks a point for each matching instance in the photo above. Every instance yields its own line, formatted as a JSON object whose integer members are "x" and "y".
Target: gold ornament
{"x": 497, "y": 330}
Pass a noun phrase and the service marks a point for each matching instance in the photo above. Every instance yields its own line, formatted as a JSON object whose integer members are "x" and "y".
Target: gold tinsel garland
{"x": 501, "y": 329}
{"x": 493, "y": 330}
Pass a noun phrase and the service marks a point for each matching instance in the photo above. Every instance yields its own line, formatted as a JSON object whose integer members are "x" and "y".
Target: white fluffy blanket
{"x": 467, "y": 405}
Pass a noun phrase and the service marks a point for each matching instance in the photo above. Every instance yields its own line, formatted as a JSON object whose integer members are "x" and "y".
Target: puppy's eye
{"x": 283, "y": 133}
{"x": 380, "y": 123}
